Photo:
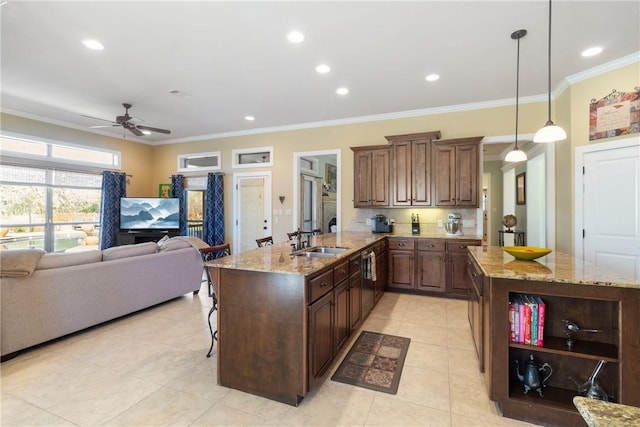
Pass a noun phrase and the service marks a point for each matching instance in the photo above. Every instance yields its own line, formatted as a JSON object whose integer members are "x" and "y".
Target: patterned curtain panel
{"x": 113, "y": 188}
{"x": 213, "y": 227}
{"x": 177, "y": 190}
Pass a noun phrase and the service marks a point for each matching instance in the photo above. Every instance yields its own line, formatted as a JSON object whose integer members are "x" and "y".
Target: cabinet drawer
{"x": 354, "y": 263}
{"x": 341, "y": 271}
{"x": 461, "y": 245}
{"x": 379, "y": 247}
{"x": 320, "y": 285}
{"x": 437, "y": 245}
{"x": 401, "y": 244}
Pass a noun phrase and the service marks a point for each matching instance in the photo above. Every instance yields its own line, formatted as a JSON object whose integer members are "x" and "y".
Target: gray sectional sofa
{"x": 49, "y": 295}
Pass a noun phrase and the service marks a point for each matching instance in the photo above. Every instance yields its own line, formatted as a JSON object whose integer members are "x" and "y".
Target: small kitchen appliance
{"x": 415, "y": 224}
{"x": 380, "y": 224}
{"x": 454, "y": 225}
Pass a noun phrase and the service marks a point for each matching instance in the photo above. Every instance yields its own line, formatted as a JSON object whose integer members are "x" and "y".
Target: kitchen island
{"x": 282, "y": 317}
{"x": 571, "y": 290}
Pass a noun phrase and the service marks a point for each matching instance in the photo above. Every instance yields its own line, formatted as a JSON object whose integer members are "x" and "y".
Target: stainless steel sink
{"x": 321, "y": 251}
{"x": 326, "y": 249}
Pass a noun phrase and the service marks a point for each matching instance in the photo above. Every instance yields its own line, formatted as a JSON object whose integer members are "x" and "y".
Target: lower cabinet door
{"x": 341, "y": 312}
{"x": 401, "y": 272}
{"x": 459, "y": 281}
{"x": 355, "y": 300}
{"x": 321, "y": 326}
{"x": 431, "y": 271}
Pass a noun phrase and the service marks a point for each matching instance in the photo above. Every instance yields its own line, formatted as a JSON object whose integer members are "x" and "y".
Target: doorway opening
{"x": 317, "y": 183}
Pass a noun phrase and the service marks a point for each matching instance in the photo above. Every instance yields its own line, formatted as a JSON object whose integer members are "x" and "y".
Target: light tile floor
{"x": 150, "y": 369}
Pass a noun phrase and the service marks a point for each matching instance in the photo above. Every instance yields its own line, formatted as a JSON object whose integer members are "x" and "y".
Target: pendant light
{"x": 550, "y": 132}
{"x": 517, "y": 155}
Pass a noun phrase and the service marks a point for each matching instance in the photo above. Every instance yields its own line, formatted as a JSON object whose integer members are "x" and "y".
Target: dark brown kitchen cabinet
{"x": 457, "y": 276}
{"x": 431, "y": 274}
{"x": 341, "y": 327}
{"x": 321, "y": 326}
{"x": 371, "y": 176}
{"x": 355, "y": 300}
{"x": 401, "y": 264}
{"x": 475, "y": 308}
{"x": 380, "y": 285}
{"x": 411, "y": 168}
{"x": 455, "y": 165}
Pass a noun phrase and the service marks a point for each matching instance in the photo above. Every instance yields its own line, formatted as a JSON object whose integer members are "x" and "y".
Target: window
{"x": 253, "y": 157}
{"x": 199, "y": 162}
{"x": 49, "y": 209}
{"x": 14, "y": 146}
{"x": 309, "y": 165}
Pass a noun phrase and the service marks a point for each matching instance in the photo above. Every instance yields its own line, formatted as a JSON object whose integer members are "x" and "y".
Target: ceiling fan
{"x": 128, "y": 123}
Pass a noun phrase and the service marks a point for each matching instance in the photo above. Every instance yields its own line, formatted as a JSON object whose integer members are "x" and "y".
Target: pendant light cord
{"x": 517, "y": 88}
{"x": 549, "y": 69}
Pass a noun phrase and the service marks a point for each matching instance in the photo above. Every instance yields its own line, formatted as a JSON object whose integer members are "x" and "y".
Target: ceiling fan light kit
{"x": 550, "y": 132}
{"x": 517, "y": 155}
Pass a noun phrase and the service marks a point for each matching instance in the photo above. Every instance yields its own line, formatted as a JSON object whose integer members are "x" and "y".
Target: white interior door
{"x": 608, "y": 207}
{"x": 252, "y": 210}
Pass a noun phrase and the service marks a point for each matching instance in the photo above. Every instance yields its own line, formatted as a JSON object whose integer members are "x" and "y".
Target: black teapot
{"x": 531, "y": 376}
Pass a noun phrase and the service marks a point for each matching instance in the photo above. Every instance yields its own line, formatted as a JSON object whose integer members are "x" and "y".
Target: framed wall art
{"x": 521, "y": 189}
{"x": 615, "y": 114}
{"x": 164, "y": 190}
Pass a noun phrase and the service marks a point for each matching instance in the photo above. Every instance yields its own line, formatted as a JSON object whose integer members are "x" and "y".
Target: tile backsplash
{"x": 429, "y": 219}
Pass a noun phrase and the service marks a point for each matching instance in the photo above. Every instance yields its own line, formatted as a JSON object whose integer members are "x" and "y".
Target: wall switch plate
{"x": 439, "y": 223}
{"x": 468, "y": 223}
{"x": 368, "y": 222}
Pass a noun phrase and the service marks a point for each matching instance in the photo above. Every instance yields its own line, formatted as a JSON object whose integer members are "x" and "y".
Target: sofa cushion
{"x": 127, "y": 251}
{"x": 173, "y": 244}
{"x": 19, "y": 262}
{"x": 66, "y": 259}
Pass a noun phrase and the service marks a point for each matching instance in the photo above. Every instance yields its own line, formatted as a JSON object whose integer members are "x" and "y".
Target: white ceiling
{"x": 232, "y": 59}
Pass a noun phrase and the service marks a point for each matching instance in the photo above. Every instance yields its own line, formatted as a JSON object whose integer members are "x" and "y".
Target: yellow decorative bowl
{"x": 527, "y": 253}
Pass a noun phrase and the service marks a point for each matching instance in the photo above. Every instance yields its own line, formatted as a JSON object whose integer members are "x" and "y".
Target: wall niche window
{"x": 253, "y": 157}
{"x": 200, "y": 162}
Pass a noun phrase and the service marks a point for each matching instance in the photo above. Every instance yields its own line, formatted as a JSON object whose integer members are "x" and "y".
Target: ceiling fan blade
{"x": 134, "y": 130}
{"x": 158, "y": 130}
{"x": 104, "y": 126}
{"x": 97, "y": 118}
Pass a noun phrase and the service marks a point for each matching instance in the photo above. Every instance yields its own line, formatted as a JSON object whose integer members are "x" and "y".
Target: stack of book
{"x": 526, "y": 319}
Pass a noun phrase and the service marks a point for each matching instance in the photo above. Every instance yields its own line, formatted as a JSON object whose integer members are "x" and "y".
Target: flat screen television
{"x": 149, "y": 213}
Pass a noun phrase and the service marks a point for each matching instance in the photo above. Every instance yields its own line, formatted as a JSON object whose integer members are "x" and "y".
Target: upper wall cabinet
{"x": 371, "y": 176}
{"x": 455, "y": 165}
{"x": 411, "y": 168}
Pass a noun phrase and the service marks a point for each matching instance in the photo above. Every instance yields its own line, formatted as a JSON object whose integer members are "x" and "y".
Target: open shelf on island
{"x": 584, "y": 349}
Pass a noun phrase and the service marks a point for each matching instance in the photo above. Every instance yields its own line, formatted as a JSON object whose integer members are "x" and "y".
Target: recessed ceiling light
{"x": 295, "y": 37}
{"x": 432, "y": 77}
{"x": 93, "y": 44}
{"x": 249, "y": 118}
{"x": 592, "y": 51}
{"x": 342, "y": 91}
{"x": 146, "y": 132}
{"x": 323, "y": 68}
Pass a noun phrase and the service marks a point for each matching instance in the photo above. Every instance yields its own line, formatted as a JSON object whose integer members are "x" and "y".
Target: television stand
{"x": 141, "y": 236}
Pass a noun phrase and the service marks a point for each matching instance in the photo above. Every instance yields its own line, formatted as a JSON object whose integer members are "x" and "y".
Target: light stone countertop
{"x": 555, "y": 267}
{"x": 597, "y": 413}
{"x": 278, "y": 258}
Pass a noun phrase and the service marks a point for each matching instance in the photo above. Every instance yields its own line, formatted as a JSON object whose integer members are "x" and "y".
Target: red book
{"x": 512, "y": 322}
{"x": 527, "y": 323}
{"x": 521, "y": 310}
{"x": 541, "y": 311}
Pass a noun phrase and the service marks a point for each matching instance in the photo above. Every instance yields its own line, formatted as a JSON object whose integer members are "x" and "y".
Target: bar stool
{"x": 293, "y": 235}
{"x": 209, "y": 254}
{"x": 265, "y": 241}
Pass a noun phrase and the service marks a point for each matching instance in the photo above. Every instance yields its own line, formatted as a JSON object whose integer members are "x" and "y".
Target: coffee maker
{"x": 380, "y": 224}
